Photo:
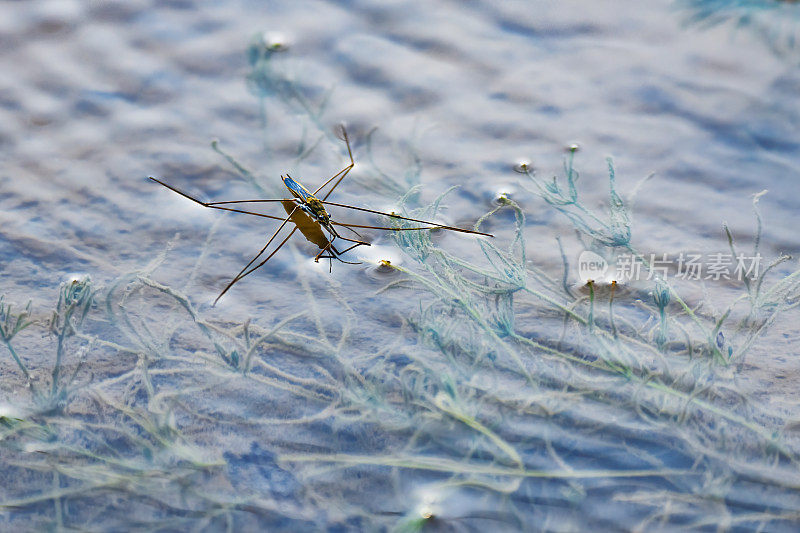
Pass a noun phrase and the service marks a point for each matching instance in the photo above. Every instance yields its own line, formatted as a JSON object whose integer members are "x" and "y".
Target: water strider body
{"x": 315, "y": 208}
{"x": 309, "y": 203}
{"x": 305, "y": 201}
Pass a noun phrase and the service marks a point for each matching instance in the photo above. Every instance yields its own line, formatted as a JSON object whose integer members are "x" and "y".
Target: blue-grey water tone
{"x": 572, "y": 372}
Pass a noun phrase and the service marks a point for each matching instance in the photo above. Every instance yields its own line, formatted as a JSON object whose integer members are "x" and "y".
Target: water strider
{"x": 304, "y": 202}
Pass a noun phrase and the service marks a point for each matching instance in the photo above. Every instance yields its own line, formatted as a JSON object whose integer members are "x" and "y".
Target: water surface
{"x": 453, "y": 394}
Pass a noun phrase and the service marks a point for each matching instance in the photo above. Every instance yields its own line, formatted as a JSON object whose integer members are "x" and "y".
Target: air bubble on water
{"x": 275, "y": 41}
{"x": 523, "y": 166}
{"x": 503, "y": 192}
{"x": 9, "y": 411}
{"x": 380, "y": 261}
{"x": 76, "y": 277}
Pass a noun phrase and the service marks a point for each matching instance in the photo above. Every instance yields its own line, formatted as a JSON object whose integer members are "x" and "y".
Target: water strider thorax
{"x": 318, "y": 210}
{"x": 310, "y": 203}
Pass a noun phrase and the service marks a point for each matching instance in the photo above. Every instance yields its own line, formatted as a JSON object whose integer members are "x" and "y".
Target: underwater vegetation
{"x": 475, "y": 416}
{"x": 776, "y": 21}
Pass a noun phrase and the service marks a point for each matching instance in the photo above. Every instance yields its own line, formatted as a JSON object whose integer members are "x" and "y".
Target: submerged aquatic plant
{"x": 75, "y": 299}
{"x": 492, "y": 370}
{"x": 10, "y": 325}
{"x": 462, "y": 412}
{"x": 273, "y": 78}
{"x": 483, "y": 393}
{"x": 777, "y": 21}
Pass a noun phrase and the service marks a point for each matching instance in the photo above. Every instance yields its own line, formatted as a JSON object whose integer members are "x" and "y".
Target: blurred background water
{"x": 96, "y": 96}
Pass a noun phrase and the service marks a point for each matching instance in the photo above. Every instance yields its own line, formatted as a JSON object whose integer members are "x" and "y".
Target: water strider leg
{"x": 244, "y": 272}
{"x": 214, "y": 205}
{"x": 392, "y": 215}
{"x": 334, "y": 253}
{"x": 342, "y": 173}
{"x": 335, "y": 235}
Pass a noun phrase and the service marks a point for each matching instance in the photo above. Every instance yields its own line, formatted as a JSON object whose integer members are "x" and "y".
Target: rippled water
{"x": 465, "y": 387}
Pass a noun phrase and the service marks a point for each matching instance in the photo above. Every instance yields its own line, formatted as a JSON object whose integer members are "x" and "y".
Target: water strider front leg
{"x": 329, "y": 226}
{"x": 336, "y": 253}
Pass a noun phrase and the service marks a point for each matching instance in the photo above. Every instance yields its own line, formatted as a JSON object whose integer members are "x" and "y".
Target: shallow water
{"x": 435, "y": 396}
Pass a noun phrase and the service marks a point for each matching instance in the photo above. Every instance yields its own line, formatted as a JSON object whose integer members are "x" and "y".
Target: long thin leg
{"x": 348, "y": 226}
{"x": 391, "y": 215}
{"x": 335, "y": 234}
{"x": 330, "y": 257}
{"x": 322, "y": 251}
{"x": 342, "y": 172}
{"x": 347, "y": 250}
{"x": 328, "y": 246}
{"x": 242, "y": 272}
{"x": 336, "y": 253}
{"x": 339, "y": 176}
{"x": 351, "y": 230}
{"x": 360, "y": 243}
{"x": 213, "y": 205}
{"x": 381, "y": 227}
{"x": 409, "y": 229}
